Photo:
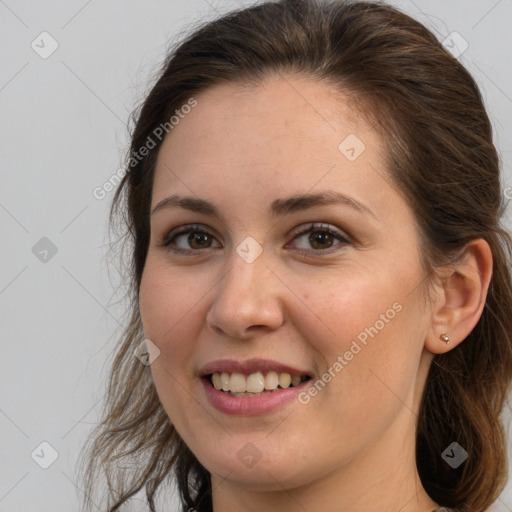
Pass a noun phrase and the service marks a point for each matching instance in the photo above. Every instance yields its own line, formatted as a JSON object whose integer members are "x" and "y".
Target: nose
{"x": 247, "y": 300}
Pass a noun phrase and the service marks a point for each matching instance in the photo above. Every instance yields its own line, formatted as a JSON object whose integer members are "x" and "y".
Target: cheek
{"x": 365, "y": 329}
{"x": 346, "y": 306}
{"x": 170, "y": 305}
{"x": 171, "y": 312}
{"x": 167, "y": 301}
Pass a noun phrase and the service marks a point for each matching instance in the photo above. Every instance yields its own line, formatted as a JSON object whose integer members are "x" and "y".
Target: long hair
{"x": 441, "y": 157}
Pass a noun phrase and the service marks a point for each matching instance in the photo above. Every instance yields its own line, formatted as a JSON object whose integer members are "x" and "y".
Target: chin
{"x": 254, "y": 469}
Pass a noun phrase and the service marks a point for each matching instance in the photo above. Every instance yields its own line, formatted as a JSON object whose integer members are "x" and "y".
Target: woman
{"x": 318, "y": 273}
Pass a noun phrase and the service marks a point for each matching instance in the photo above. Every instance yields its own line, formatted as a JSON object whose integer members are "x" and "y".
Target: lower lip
{"x": 250, "y": 405}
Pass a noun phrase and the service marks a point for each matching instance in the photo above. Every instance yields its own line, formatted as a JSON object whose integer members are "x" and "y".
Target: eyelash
{"x": 313, "y": 227}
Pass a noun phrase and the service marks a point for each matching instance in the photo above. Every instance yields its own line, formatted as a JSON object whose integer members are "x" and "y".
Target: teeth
{"x": 271, "y": 380}
{"x": 255, "y": 382}
{"x": 285, "y": 379}
{"x": 224, "y": 381}
{"x": 296, "y": 380}
{"x": 217, "y": 380}
{"x": 237, "y": 383}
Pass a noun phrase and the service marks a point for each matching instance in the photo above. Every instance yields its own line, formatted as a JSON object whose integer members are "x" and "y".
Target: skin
{"x": 352, "y": 446}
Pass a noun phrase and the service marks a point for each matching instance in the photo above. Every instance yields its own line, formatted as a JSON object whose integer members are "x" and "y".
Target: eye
{"x": 321, "y": 238}
{"x": 189, "y": 238}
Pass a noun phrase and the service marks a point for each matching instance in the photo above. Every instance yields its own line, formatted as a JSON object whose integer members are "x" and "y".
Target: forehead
{"x": 280, "y": 136}
{"x": 244, "y": 149}
{"x": 280, "y": 105}
{"x": 285, "y": 119}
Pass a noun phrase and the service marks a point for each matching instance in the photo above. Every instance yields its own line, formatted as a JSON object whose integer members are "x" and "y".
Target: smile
{"x": 237, "y": 384}
{"x": 255, "y": 394}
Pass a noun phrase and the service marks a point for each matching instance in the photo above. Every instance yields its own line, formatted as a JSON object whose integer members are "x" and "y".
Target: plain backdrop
{"x": 71, "y": 72}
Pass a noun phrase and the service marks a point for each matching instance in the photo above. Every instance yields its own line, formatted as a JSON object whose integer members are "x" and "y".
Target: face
{"x": 332, "y": 288}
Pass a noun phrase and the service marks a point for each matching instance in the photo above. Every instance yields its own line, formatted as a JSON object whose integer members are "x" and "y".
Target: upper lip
{"x": 249, "y": 366}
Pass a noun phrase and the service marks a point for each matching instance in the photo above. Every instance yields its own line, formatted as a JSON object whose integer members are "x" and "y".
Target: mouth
{"x": 255, "y": 384}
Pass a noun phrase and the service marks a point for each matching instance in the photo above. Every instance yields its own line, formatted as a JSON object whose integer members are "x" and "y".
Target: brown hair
{"x": 441, "y": 157}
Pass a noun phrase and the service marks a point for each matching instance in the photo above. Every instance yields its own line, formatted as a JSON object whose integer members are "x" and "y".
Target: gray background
{"x": 63, "y": 133}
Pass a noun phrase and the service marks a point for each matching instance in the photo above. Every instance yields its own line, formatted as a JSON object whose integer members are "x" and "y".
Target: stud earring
{"x": 444, "y": 337}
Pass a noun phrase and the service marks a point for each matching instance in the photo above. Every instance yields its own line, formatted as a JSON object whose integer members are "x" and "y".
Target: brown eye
{"x": 199, "y": 240}
{"x": 320, "y": 237}
{"x": 189, "y": 239}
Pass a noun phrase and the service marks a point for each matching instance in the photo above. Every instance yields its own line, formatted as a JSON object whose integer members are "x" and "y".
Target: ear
{"x": 460, "y": 297}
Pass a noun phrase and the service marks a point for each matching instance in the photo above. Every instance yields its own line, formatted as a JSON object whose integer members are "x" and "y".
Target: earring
{"x": 444, "y": 337}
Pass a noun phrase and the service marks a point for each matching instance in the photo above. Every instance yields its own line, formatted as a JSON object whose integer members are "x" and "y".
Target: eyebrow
{"x": 279, "y": 207}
